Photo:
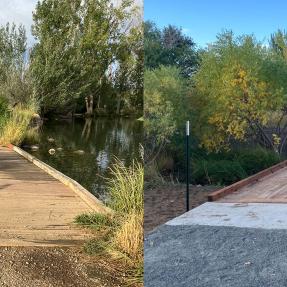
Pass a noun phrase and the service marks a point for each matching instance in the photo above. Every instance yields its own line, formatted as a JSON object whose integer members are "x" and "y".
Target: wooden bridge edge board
{"x": 244, "y": 182}
{"x": 94, "y": 203}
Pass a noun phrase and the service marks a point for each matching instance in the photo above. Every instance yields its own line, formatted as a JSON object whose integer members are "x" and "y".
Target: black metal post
{"x": 187, "y": 166}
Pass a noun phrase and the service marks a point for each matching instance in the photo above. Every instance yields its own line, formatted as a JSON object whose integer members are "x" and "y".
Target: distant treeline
{"x": 233, "y": 91}
{"x": 86, "y": 53}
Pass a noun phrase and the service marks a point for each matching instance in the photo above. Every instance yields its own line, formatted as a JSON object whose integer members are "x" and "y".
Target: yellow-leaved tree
{"x": 239, "y": 93}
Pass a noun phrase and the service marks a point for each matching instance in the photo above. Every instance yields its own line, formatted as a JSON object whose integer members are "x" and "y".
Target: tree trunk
{"x": 118, "y": 105}
{"x": 89, "y": 105}
{"x": 99, "y": 101}
{"x": 91, "y": 111}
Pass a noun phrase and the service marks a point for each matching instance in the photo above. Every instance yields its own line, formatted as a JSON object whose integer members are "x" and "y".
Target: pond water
{"x": 86, "y": 148}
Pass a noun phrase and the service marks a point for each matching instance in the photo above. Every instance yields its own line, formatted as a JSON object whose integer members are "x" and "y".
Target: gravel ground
{"x": 54, "y": 267}
{"x": 208, "y": 256}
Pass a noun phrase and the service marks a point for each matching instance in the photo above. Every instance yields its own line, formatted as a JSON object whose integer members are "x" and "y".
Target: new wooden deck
{"x": 35, "y": 208}
{"x": 268, "y": 186}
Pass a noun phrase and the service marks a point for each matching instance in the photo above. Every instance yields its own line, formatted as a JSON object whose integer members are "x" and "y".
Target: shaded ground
{"x": 168, "y": 201}
{"x": 208, "y": 256}
{"x": 55, "y": 267}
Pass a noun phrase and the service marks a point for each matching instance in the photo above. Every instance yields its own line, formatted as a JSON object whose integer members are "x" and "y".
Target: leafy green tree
{"x": 169, "y": 47}
{"x": 55, "y": 58}
{"x": 79, "y": 42}
{"x": 15, "y": 84}
{"x": 279, "y": 43}
{"x": 166, "y": 107}
{"x": 152, "y": 45}
{"x": 128, "y": 80}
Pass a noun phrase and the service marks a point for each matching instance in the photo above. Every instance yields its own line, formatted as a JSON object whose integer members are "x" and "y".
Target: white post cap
{"x": 187, "y": 128}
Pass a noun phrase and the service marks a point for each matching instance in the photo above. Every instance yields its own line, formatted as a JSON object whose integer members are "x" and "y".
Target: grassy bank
{"x": 15, "y": 123}
{"x": 120, "y": 235}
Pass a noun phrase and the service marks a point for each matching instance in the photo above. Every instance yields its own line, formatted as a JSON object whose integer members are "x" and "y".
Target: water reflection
{"x": 85, "y": 148}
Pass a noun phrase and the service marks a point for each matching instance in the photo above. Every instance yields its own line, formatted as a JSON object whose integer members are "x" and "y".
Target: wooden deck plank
{"x": 244, "y": 182}
{"x": 35, "y": 208}
{"x": 270, "y": 188}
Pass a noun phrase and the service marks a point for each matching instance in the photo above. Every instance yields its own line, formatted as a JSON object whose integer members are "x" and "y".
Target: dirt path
{"x": 168, "y": 201}
{"x": 55, "y": 267}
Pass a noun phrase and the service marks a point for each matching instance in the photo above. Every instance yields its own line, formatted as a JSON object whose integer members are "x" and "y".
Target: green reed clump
{"x": 125, "y": 187}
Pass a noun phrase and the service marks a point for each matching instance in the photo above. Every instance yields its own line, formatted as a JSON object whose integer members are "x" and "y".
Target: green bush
{"x": 123, "y": 236}
{"x": 257, "y": 159}
{"x": 217, "y": 172}
{"x": 227, "y": 168}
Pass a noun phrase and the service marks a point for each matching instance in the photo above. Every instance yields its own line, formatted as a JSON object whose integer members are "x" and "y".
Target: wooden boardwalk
{"x": 35, "y": 208}
{"x": 268, "y": 186}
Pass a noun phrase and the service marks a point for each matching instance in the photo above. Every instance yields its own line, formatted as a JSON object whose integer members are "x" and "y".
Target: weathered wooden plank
{"x": 35, "y": 208}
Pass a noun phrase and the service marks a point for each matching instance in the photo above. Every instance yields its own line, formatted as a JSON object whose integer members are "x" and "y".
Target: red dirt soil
{"x": 168, "y": 201}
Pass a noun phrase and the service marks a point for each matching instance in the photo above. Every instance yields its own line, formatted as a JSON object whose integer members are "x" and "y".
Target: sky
{"x": 202, "y": 20}
{"x": 20, "y": 12}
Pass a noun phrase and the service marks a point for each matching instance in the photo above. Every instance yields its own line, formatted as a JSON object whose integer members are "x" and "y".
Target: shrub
{"x": 152, "y": 175}
{"x": 126, "y": 190}
{"x": 257, "y": 159}
{"x": 217, "y": 172}
{"x": 229, "y": 167}
{"x": 124, "y": 236}
{"x": 32, "y": 136}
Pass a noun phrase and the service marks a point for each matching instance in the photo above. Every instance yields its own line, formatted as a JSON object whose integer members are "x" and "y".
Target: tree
{"x": 78, "y": 43}
{"x": 128, "y": 79}
{"x": 169, "y": 47}
{"x": 278, "y": 43}
{"x": 15, "y": 84}
{"x": 166, "y": 107}
{"x": 236, "y": 95}
{"x": 55, "y": 58}
{"x": 152, "y": 45}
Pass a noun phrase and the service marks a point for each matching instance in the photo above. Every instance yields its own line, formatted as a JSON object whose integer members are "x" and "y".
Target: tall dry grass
{"x": 125, "y": 187}
{"x": 17, "y": 123}
{"x": 128, "y": 237}
{"x": 125, "y": 237}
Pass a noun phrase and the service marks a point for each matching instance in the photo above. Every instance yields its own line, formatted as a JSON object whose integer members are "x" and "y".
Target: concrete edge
{"x": 94, "y": 203}
{"x": 239, "y": 215}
